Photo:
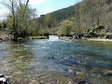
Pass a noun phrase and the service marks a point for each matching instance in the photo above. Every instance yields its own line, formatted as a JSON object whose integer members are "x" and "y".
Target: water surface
{"x": 36, "y": 58}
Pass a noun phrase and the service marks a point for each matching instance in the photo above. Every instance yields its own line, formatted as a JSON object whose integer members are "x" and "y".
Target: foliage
{"x": 65, "y": 27}
{"x": 21, "y": 20}
{"x": 81, "y": 18}
{"x": 26, "y": 22}
{"x": 86, "y": 15}
{"x": 44, "y": 31}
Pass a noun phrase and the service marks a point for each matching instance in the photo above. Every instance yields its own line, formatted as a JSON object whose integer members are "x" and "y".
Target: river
{"x": 54, "y": 59}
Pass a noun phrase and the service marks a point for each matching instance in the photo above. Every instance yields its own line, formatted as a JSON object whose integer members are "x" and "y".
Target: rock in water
{"x": 3, "y": 80}
{"x": 83, "y": 82}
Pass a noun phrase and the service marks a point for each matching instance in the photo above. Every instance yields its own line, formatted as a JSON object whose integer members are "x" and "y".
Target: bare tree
{"x": 11, "y": 5}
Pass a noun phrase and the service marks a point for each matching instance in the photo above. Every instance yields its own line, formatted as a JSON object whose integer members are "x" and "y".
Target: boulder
{"x": 1, "y": 39}
{"x": 3, "y": 79}
{"x": 108, "y": 73}
{"x": 83, "y": 82}
{"x": 109, "y": 37}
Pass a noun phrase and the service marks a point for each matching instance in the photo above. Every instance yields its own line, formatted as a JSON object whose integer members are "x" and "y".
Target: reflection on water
{"x": 57, "y": 60}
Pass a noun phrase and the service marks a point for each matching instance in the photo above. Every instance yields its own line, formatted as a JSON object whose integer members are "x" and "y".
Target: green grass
{"x": 38, "y": 37}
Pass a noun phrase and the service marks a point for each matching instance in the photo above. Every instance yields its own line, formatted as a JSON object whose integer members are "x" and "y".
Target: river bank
{"x": 88, "y": 39}
{"x": 5, "y": 37}
{"x": 38, "y": 37}
{"x": 110, "y": 40}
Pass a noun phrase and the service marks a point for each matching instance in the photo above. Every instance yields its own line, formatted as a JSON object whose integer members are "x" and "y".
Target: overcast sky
{"x": 42, "y": 6}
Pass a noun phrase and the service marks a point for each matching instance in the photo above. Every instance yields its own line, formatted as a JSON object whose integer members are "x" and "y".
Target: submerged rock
{"x": 82, "y": 82}
{"x": 69, "y": 61}
{"x": 34, "y": 82}
{"x": 108, "y": 73}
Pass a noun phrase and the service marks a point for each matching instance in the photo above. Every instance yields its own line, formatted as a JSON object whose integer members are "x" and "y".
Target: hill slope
{"x": 87, "y": 9}
{"x": 88, "y": 14}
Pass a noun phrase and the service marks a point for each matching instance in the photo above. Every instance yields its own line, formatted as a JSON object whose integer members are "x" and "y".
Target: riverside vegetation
{"x": 87, "y": 19}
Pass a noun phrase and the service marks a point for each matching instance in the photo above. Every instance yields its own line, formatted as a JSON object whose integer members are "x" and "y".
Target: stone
{"x": 82, "y": 82}
{"x": 1, "y": 39}
{"x": 109, "y": 37}
{"x": 71, "y": 82}
{"x": 78, "y": 72}
{"x": 1, "y": 75}
{"x": 3, "y": 80}
{"x": 34, "y": 82}
{"x": 108, "y": 73}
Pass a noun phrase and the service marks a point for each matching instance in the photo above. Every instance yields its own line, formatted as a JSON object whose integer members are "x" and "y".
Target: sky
{"x": 42, "y": 6}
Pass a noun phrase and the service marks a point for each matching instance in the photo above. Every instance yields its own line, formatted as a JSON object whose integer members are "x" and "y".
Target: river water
{"x": 55, "y": 59}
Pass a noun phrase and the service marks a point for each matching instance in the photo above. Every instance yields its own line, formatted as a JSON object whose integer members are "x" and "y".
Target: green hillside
{"x": 63, "y": 14}
{"x": 87, "y": 17}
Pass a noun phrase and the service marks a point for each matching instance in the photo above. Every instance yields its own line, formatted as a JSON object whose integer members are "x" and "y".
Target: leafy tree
{"x": 18, "y": 10}
{"x": 48, "y": 20}
{"x": 65, "y": 27}
{"x": 0, "y": 25}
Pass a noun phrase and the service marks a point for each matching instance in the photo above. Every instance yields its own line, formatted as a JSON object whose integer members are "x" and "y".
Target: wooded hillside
{"x": 87, "y": 16}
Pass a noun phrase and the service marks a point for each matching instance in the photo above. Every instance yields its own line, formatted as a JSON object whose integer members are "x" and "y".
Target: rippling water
{"x": 34, "y": 58}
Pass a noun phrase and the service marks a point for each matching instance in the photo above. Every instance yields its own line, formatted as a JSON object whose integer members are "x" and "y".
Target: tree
{"x": 11, "y": 5}
{"x": 0, "y": 25}
{"x": 47, "y": 20}
{"x": 20, "y": 18}
{"x": 65, "y": 27}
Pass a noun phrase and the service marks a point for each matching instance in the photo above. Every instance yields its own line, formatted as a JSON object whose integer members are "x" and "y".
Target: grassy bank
{"x": 38, "y": 37}
{"x": 100, "y": 40}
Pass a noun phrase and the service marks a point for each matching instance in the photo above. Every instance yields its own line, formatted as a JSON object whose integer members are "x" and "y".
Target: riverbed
{"x": 56, "y": 61}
